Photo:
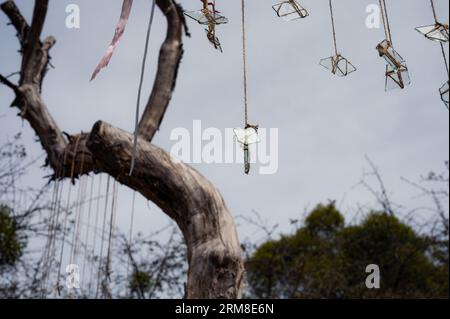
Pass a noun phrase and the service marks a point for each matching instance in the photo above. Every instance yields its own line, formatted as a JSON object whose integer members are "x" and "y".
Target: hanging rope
{"x": 48, "y": 259}
{"x": 94, "y": 240}
{"x": 58, "y": 213}
{"x": 112, "y": 222}
{"x": 444, "y": 55}
{"x": 46, "y": 253}
{"x": 72, "y": 172}
{"x": 78, "y": 212}
{"x": 141, "y": 82}
{"x": 445, "y": 58}
{"x": 244, "y": 59}
{"x": 333, "y": 27}
{"x": 433, "y": 7}
{"x": 385, "y": 16}
{"x": 102, "y": 238}
{"x": 86, "y": 240}
{"x": 130, "y": 235}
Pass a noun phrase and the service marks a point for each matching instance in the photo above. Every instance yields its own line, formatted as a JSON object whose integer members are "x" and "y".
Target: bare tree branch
{"x": 32, "y": 46}
{"x": 8, "y": 83}
{"x": 17, "y": 20}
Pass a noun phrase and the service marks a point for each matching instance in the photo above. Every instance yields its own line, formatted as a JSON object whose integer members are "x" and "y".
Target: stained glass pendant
{"x": 290, "y": 10}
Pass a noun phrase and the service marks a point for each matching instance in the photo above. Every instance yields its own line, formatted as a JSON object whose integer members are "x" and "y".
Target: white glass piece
{"x": 338, "y": 65}
{"x": 247, "y": 137}
{"x": 436, "y": 32}
{"x": 290, "y": 10}
{"x": 206, "y": 17}
{"x": 397, "y": 78}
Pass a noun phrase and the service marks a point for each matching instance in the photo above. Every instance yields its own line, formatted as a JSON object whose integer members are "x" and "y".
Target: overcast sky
{"x": 326, "y": 124}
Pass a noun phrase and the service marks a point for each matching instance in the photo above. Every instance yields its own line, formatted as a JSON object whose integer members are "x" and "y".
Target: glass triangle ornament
{"x": 290, "y": 10}
{"x": 338, "y": 65}
{"x": 206, "y": 17}
{"x": 437, "y": 32}
{"x": 397, "y": 78}
{"x": 444, "y": 91}
{"x": 397, "y": 74}
{"x": 392, "y": 57}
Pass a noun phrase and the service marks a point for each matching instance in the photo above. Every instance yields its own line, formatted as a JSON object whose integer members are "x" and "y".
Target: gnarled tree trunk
{"x": 214, "y": 253}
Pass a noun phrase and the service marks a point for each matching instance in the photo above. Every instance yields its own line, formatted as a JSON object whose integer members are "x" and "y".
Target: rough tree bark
{"x": 214, "y": 253}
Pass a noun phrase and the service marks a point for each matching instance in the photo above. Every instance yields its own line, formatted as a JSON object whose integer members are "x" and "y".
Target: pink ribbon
{"x": 120, "y": 29}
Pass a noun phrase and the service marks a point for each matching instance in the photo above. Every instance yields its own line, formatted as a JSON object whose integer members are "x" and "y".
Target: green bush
{"x": 11, "y": 246}
{"x": 326, "y": 259}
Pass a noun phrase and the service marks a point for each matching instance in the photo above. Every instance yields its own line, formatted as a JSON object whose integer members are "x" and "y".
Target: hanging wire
{"x": 94, "y": 240}
{"x": 130, "y": 234}
{"x": 78, "y": 212}
{"x": 112, "y": 222}
{"x": 333, "y": 27}
{"x": 59, "y": 209}
{"x": 433, "y": 7}
{"x": 72, "y": 172}
{"x": 445, "y": 58}
{"x": 86, "y": 240}
{"x": 444, "y": 55}
{"x": 102, "y": 237}
{"x": 244, "y": 59}
{"x": 141, "y": 82}
{"x": 52, "y": 229}
{"x": 46, "y": 253}
{"x": 385, "y": 16}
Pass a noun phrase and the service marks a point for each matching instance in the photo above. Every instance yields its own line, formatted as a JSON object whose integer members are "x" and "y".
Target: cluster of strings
{"x": 77, "y": 256}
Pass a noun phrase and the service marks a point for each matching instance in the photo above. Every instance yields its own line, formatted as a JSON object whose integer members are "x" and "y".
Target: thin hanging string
{"x": 51, "y": 231}
{"x": 244, "y": 59}
{"x": 79, "y": 212}
{"x": 130, "y": 235}
{"x": 387, "y": 27}
{"x": 58, "y": 213}
{"x": 445, "y": 58}
{"x": 111, "y": 235}
{"x": 86, "y": 240}
{"x": 94, "y": 240}
{"x": 51, "y": 221}
{"x": 141, "y": 82}
{"x": 433, "y": 7}
{"x": 72, "y": 172}
{"x": 103, "y": 237}
{"x": 334, "y": 28}
{"x": 444, "y": 55}
{"x": 384, "y": 20}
